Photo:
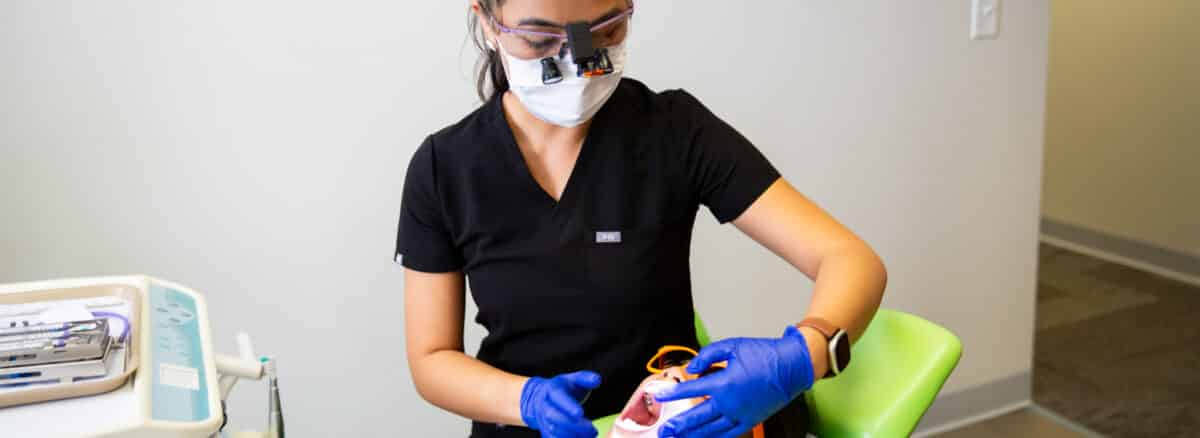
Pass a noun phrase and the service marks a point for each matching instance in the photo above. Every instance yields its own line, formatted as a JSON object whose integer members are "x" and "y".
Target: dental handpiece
{"x": 275, "y": 410}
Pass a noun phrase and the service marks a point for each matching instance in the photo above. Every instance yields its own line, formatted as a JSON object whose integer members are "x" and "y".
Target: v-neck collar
{"x": 512, "y": 153}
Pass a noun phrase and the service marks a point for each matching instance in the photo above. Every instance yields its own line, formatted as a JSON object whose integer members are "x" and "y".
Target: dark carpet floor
{"x": 1117, "y": 350}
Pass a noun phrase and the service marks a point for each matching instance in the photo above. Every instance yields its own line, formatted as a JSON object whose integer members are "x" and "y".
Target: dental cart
{"x": 114, "y": 357}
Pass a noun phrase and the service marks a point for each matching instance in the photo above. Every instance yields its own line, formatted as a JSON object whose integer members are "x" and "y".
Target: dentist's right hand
{"x": 552, "y": 406}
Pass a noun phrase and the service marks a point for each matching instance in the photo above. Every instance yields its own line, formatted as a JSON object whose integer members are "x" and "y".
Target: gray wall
{"x": 255, "y": 151}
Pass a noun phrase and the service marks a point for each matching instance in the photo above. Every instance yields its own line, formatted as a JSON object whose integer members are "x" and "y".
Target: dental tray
{"x": 52, "y": 360}
{"x": 42, "y": 344}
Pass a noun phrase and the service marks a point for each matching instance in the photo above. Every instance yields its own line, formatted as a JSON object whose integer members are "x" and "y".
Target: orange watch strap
{"x": 819, "y": 324}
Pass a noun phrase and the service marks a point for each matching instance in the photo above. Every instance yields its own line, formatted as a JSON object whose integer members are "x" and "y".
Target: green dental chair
{"x": 898, "y": 367}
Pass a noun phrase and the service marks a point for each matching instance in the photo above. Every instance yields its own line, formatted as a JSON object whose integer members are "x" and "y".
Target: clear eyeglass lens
{"x": 532, "y": 46}
{"x": 611, "y": 34}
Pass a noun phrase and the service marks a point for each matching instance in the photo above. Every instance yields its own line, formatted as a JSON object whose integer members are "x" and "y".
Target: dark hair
{"x": 490, "y": 78}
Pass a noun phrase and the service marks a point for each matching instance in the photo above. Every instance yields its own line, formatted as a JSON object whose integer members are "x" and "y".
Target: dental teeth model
{"x": 644, "y": 415}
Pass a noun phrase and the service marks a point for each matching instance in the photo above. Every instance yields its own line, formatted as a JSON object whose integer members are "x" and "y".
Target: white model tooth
{"x": 658, "y": 386}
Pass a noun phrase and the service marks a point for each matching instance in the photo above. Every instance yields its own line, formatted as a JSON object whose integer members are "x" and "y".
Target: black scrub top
{"x": 598, "y": 280}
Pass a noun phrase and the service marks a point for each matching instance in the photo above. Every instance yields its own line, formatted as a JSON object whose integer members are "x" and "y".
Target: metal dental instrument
{"x": 275, "y": 411}
{"x": 42, "y": 344}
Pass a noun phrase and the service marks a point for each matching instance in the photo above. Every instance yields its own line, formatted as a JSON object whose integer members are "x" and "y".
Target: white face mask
{"x": 567, "y": 103}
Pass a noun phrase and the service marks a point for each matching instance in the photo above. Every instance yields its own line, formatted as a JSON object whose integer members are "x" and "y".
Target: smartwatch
{"x": 838, "y": 343}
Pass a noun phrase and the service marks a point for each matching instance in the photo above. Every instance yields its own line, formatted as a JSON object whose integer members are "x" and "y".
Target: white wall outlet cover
{"x": 985, "y": 19}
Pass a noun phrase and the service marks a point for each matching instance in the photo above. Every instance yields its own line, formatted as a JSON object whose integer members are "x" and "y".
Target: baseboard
{"x": 978, "y": 418}
{"x": 1141, "y": 256}
{"x": 976, "y": 404}
{"x": 1080, "y": 429}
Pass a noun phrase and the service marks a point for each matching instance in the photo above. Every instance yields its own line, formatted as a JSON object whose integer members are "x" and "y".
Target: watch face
{"x": 839, "y": 351}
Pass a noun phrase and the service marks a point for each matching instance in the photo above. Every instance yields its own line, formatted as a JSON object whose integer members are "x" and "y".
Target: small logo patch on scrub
{"x": 608, "y": 237}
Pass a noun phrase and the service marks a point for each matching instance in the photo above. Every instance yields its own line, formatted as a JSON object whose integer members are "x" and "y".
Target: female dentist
{"x": 568, "y": 200}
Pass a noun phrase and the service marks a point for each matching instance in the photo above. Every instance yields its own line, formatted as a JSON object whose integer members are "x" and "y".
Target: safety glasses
{"x": 547, "y": 40}
{"x": 676, "y": 356}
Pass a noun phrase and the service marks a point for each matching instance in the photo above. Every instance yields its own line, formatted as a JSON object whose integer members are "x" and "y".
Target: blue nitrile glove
{"x": 761, "y": 377}
{"x": 552, "y": 406}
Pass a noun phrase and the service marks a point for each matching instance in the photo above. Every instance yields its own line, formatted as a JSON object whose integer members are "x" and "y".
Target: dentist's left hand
{"x": 552, "y": 406}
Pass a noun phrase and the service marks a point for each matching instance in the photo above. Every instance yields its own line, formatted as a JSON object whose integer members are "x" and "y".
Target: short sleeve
{"x": 726, "y": 172}
{"x": 423, "y": 242}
